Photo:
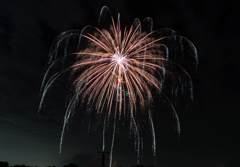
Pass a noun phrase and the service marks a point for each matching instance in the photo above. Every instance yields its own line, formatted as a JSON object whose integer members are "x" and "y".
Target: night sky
{"x": 209, "y": 127}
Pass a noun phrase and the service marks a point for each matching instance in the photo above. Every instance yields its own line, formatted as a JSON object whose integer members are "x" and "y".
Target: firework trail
{"x": 115, "y": 70}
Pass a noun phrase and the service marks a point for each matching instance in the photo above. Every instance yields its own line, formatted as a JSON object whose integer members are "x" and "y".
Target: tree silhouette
{"x": 20, "y": 165}
{"x": 4, "y": 164}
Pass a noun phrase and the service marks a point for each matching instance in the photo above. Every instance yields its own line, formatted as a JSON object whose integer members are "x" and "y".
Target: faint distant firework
{"x": 116, "y": 70}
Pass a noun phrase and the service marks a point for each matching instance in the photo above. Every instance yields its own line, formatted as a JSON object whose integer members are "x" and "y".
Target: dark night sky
{"x": 209, "y": 128}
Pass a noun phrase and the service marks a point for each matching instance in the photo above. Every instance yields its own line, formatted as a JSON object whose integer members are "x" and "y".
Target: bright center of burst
{"x": 118, "y": 58}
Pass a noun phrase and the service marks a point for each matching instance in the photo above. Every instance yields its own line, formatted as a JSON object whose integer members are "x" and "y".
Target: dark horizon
{"x": 6, "y": 164}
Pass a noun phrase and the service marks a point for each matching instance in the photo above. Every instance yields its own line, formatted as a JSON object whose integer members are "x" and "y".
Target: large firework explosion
{"x": 115, "y": 71}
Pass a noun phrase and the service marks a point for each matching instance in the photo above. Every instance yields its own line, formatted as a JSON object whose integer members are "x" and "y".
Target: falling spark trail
{"x": 104, "y": 127}
{"x": 113, "y": 137}
{"x": 153, "y": 138}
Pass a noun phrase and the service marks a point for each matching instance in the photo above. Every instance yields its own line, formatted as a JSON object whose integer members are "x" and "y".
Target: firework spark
{"x": 117, "y": 69}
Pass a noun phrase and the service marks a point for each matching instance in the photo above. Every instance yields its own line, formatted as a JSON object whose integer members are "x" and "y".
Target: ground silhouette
{"x": 71, "y": 165}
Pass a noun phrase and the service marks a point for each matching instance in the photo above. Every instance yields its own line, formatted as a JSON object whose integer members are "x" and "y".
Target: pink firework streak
{"x": 116, "y": 70}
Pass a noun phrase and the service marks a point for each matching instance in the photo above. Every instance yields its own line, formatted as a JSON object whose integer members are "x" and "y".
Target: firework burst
{"x": 116, "y": 70}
